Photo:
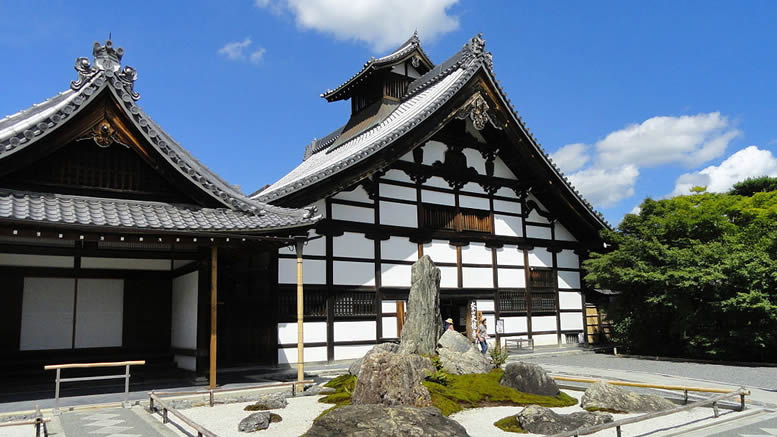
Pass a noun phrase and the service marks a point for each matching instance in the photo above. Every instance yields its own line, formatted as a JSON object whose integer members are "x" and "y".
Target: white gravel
{"x": 299, "y": 414}
{"x": 223, "y": 419}
{"x": 479, "y": 422}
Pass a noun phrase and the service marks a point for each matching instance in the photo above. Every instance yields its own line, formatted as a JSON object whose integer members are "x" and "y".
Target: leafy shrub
{"x": 498, "y": 355}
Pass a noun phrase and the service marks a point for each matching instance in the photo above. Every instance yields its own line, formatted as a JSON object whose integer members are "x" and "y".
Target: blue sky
{"x": 634, "y": 99}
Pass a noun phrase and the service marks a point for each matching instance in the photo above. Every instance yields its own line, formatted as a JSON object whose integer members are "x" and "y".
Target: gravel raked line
{"x": 479, "y": 422}
{"x": 223, "y": 419}
{"x": 755, "y": 377}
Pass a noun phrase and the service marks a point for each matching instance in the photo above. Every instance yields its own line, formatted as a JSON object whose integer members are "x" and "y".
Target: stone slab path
{"x": 114, "y": 422}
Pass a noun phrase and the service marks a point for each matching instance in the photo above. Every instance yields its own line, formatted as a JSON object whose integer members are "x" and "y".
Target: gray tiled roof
{"x": 46, "y": 208}
{"x": 402, "y": 52}
{"x": 424, "y": 96}
{"x": 25, "y": 128}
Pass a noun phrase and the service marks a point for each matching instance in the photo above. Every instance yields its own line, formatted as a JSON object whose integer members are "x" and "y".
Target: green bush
{"x": 498, "y": 355}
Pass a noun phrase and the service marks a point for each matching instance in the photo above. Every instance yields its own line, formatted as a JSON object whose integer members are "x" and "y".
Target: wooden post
{"x": 299, "y": 244}
{"x": 213, "y": 313}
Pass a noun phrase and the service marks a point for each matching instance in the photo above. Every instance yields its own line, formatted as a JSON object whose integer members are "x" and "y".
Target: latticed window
{"x": 354, "y": 304}
{"x": 447, "y": 217}
{"x": 512, "y": 301}
{"x": 543, "y": 301}
{"x": 314, "y": 306}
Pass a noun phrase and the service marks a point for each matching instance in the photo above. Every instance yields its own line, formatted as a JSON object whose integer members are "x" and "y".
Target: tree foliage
{"x": 750, "y": 186}
{"x": 698, "y": 277}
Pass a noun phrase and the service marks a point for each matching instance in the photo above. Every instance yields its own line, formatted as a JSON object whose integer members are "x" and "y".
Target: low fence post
{"x": 742, "y": 402}
{"x": 126, "y": 385}
{"x": 56, "y": 394}
{"x": 210, "y": 397}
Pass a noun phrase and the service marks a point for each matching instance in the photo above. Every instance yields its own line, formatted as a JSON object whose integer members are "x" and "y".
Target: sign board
{"x": 500, "y": 326}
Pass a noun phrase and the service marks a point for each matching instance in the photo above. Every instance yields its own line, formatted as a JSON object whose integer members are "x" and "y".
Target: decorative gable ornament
{"x": 477, "y": 110}
{"x": 108, "y": 61}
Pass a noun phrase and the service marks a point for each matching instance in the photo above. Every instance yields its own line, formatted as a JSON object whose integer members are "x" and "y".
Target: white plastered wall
{"x": 353, "y": 213}
{"x": 183, "y": 329}
{"x": 47, "y": 314}
{"x": 353, "y": 245}
{"x": 353, "y": 273}
{"x": 313, "y": 271}
{"x": 99, "y": 313}
{"x": 398, "y": 214}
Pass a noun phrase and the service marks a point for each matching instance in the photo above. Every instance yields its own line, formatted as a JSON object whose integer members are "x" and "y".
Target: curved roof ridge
{"x": 413, "y": 44}
{"x": 26, "y": 127}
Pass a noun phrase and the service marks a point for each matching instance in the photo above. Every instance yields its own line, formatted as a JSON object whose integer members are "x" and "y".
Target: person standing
{"x": 482, "y": 336}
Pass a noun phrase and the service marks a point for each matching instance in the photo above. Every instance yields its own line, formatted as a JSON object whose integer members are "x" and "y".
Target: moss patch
{"x": 509, "y": 424}
{"x": 482, "y": 390}
{"x": 343, "y": 385}
{"x": 460, "y": 392}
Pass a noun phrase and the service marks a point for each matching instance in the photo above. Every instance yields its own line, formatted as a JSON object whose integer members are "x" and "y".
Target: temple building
{"x": 116, "y": 243}
{"x": 434, "y": 160}
{"x": 114, "y": 239}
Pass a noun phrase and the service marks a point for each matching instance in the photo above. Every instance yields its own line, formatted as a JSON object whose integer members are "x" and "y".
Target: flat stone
{"x": 269, "y": 401}
{"x": 541, "y": 420}
{"x": 392, "y": 379}
{"x": 258, "y": 421}
{"x": 529, "y": 378}
{"x": 608, "y": 397}
{"x": 378, "y": 420}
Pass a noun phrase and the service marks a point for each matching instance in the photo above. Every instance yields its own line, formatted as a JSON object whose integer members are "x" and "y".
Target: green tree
{"x": 697, "y": 276}
{"x": 750, "y": 186}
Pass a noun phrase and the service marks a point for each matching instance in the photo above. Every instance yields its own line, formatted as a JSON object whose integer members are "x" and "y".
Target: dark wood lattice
{"x": 512, "y": 301}
{"x": 314, "y": 305}
{"x": 447, "y": 217}
{"x": 354, "y": 304}
{"x": 543, "y": 301}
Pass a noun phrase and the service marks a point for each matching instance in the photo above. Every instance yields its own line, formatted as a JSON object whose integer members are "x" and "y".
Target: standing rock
{"x": 424, "y": 323}
{"x": 377, "y": 420}
{"x": 258, "y": 421}
{"x": 541, "y": 420}
{"x": 383, "y": 347}
{"x": 529, "y": 378}
{"x": 455, "y": 341}
{"x": 269, "y": 401}
{"x": 393, "y": 379}
{"x": 603, "y": 396}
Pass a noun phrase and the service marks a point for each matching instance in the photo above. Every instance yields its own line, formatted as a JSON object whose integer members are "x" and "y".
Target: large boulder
{"x": 424, "y": 323}
{"x": 608, "y": 397}
{"x": 269, "y": 401}
{"x": 459, "y": 356}
{"x": 393, "y": 379}
{"x": 541, "y": 420}
{"x": 258, "y": 421}
{"x": 377, "y": 420}
{"x": 455, "y": 341}
{"x": 383, "y": 347}
{"x": 529, "y": 378}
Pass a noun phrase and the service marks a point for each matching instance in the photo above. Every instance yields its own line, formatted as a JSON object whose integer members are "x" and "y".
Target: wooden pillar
{"x": 299, "y": 245}
{"x": 213, "y": 313}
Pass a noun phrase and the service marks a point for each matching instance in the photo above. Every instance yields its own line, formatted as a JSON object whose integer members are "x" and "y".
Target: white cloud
{"x": 748, "y": 162}
{"x": 239, "y": 51}
{"x": 689, "y": 140}
{"x": 607, "y": 174}
{"x": 381, "y": 24}
{"x": 605, "y": 187}
{"x": 571, "y": 157}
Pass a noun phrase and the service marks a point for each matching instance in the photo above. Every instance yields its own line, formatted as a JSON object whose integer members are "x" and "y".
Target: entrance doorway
{"x": 460, "y": 310}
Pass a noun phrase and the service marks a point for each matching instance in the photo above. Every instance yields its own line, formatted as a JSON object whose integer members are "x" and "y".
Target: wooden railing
{"x": 212, "y": 391}
{"x": 741, "y": 392}
{"x": 39, "y": 421}
{"x": 155, "y": 402}
{"x": 683, "y": 388}
{"x": 59, "y": 379}
{"x": 167, "y": 409}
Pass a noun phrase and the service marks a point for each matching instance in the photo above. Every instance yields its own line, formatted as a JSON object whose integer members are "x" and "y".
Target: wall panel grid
{"x": 353, "y": 245}
{"x": 353, "y": 213}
